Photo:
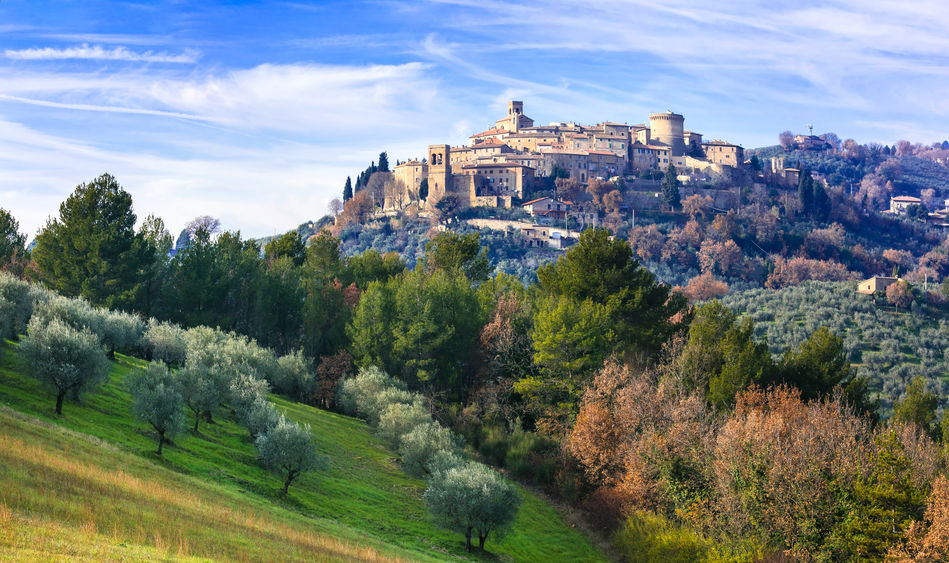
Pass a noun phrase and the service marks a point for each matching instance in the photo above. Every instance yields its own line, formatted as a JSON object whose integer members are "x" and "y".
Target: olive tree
{"x": 200, "y": 390}
{"x": 166, "y": 342}
{"x": 286, "y": 447}
{"x": 295, "y": 377}
{"x": 420, "y": 447}
{"x": 68, "y": 360}
{"x": 156, "y": 399}
{"x": 21, "y": 296}
{"x": 260, "y": 417}
{"x": 400, "y": 418}
{"x": 357, "y": 395}
{"x": 472, "y": 498}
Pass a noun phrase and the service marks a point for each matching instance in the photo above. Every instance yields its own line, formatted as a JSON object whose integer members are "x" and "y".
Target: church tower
{"x": 439, "y": 171}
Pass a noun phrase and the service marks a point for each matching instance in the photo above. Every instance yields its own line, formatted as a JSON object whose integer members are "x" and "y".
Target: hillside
{"x": 209, "y": 499}
{"x": 890, "y": 347}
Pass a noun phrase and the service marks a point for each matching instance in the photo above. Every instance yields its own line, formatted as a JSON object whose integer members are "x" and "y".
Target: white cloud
{"x": 97, "y": 52}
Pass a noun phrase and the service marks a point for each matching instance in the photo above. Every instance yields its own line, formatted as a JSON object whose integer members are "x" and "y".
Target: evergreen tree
{"x": 156, "y": 399}
{"x": 348, "y": 189}
{"x": 92, "y": 249}
{"x": 12, "y": 242}
{"x": 821, "y": 201}
{"x": 423, "y": 189}
{"x": 383, "y": 162}
{"x": 883, "y": 504}
{"x": 670, "y": 187}
{"x": 805, "y": 191}
{"x": 918, "y": 407}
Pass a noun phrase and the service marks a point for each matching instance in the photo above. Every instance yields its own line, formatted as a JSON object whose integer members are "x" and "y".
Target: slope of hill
{"x": 888, "y": 346}
{"x": 87, "y": 485}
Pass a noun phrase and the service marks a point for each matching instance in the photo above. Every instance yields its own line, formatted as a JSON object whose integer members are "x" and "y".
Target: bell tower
{"x": 439, "y": 171}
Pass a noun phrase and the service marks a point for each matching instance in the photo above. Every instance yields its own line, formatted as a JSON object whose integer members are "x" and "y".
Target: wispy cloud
{"x": 97, "y": 52}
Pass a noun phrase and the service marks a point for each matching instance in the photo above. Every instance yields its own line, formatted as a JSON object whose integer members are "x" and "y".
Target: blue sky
{"x": 255, "y": 112}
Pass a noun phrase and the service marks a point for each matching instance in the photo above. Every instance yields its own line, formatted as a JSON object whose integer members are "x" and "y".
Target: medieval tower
{"x": 667, "y": 128}
{"x": 439, "y": 171}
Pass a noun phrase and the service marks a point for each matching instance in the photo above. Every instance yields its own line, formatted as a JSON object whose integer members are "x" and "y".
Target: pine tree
{"x": 383, "y": 162}
{"x": 348, "y": 189}
{"x": 670, "y": 187}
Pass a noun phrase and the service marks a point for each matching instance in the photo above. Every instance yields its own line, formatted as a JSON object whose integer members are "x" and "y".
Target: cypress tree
{"x": 805, "y": 190}
{"x": 821, "y": 201}
{"x": 670, "y": 187}
{"x": 348, "y": 189}
{"x": 383, "y": 162}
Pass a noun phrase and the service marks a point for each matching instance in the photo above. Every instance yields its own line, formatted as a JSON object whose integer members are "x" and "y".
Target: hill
{"x": 86, "y": 485}
{"x": 888, "y": 346}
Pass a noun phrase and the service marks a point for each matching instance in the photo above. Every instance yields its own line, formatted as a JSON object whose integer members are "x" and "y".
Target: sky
{"x": 256, "y": 112}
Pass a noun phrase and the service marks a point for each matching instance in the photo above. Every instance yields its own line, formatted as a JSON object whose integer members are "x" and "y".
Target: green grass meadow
{"x": 87, "y": 485}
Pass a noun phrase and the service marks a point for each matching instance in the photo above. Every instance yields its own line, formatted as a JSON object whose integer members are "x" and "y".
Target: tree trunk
{"x": 481, "y": 539}
{"x": 196, "y": 415}
{"x": 59, "y": 402}
{"x": 286, "y": 484}
{"x": 468, "y": 540}
{"x": 161, "y": 441}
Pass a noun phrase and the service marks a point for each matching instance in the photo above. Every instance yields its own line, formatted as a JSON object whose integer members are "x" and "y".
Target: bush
{"x": 471, "y": 497}
{"x": 66, "y": 359}
{"x": 156, "y": 399}
{"x": 6, "y": 319}
{"x": 420, "y": 447}
{"x": 650, "y": 537}
{"x": 286, "y": 447}
{"x": 166, "y": 342}
{"x": 400, "y": 418}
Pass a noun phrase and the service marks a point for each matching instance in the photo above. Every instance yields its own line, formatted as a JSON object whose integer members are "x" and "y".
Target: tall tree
{"x": 92, "y": 249}
{"x": 451, "y": 251}
{"x": 348, "y": 190}
{"x": 602, "y": 269}
{"x": 383, "y": 162}
{"x": 821, "y": 201}
{"x": 805, "y": 191}
{"x": 670, "y": 187}
{"x": 12, "y": 242}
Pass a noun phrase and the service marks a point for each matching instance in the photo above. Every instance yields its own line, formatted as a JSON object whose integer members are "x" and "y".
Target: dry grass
{"x": 100, "y": 505}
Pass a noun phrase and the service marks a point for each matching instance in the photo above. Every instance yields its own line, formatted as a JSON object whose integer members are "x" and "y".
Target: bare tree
{"x": 205, "y": 222}
{"x": 334, "y": 206}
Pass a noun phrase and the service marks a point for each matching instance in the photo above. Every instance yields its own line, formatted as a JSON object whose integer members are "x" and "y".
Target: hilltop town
{"x": 501, "y": 165}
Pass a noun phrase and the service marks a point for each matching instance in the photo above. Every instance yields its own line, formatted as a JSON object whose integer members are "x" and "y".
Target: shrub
{"x": 648, "y": 537}
{"x": 156, "y": 399}
{"x": 421, "y": 446}
{"x": 286, "y": 447}
{"x": 66, "y": 359}
{"x": 6, "y": 319}
{"x": 400, "y": 418}
{"x": 471, "y": 497}
{"x": 166, "y": 342}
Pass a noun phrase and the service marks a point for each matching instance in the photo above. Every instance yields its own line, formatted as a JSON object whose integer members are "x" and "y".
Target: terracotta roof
{"x": 489, "y": 143}
{"x": 603, "y": 152}
{"x": 906, "y": 199}
{"x": 721, "y": 144}
{"x": 491, "y": 131}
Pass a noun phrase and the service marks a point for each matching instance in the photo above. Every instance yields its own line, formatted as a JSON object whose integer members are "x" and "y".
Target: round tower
{"x": 667, "y": 128}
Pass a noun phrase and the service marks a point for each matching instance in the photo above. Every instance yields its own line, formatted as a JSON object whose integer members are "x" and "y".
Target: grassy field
{"x": 87, "y": 485}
